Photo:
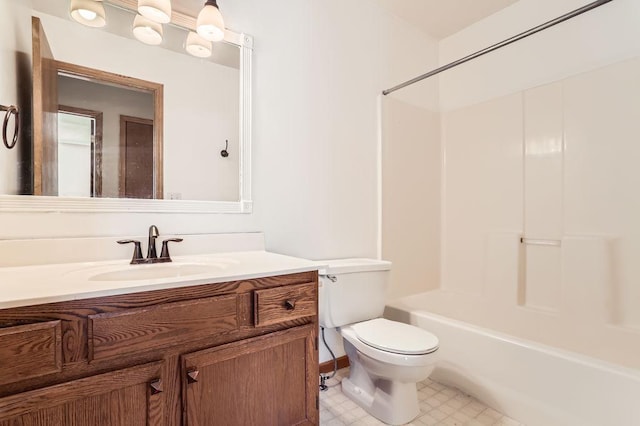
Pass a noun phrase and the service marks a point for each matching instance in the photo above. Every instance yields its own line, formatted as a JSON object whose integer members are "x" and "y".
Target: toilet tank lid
{"x": 352, "y": 265}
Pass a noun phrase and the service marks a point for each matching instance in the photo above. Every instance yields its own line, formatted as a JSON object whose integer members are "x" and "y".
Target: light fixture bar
{"x": 181, "y": 21}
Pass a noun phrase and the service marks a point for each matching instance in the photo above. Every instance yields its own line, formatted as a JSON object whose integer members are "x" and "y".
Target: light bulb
{"x": 210, "y": 24}
{"x": 198, "y": 46}
{"x": 87, "y": 14}
{"x": 146, "y": 30}
{"x": 156, "y": 10}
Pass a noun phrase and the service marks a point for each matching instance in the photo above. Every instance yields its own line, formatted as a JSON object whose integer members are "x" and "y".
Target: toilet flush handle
{"x": 332, "y": 278}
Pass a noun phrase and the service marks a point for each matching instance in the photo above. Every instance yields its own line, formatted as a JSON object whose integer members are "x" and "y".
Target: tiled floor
{"x": 439, "y": 405}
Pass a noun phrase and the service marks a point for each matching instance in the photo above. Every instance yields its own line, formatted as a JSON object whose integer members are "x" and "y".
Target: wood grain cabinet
{"x": 235, "y": 353}
{"x": 265, "y": 380}
{"x": 129, "y": 397}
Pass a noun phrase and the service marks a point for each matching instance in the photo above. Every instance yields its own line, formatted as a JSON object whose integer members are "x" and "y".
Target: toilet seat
{"x": 395, "y": 337}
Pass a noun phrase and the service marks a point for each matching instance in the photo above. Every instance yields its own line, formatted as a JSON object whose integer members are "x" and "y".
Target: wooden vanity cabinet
{"x": 127, "y": 397}
{"x": 235, "y": 353}
{"x": 261, "y": 381}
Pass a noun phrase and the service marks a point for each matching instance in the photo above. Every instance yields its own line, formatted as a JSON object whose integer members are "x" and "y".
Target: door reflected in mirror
{"x": 79, "y": 165}
{"x": 106, "y": 140}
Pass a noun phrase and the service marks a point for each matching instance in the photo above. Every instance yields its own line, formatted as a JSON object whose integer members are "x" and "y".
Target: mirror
{"x": 204, "y": 110}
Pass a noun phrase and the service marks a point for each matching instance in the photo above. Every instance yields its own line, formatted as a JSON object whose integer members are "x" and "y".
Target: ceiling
{"x": 441, "y": 18}
{"x": 438, "y": 18}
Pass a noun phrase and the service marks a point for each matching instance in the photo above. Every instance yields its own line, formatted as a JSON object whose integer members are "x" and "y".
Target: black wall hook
{"x": 224, "y": 152}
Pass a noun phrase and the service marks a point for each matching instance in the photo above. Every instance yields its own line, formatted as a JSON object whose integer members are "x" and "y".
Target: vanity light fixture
{"x": 156, "y": 10}
{"x": 147, "y": 31}
{"x": 147, "y": 25}
{"x": 88, "y": 12}
{"x": 198, "y": 46}
{"x": 210, "y": 24}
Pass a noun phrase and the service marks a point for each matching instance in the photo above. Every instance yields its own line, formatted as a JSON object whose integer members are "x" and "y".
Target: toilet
{"x": 386, "y": 358}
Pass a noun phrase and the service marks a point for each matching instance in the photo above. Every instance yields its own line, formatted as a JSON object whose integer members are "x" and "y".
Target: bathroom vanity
{"x": 198, "y": 350}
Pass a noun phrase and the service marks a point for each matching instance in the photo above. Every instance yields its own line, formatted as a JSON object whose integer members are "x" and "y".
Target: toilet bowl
{"x": 383, "y": 380}
{"x": 386, "y": 358}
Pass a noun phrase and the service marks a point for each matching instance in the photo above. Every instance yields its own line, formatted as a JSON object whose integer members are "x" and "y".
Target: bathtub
{"x": 536, "y": 384}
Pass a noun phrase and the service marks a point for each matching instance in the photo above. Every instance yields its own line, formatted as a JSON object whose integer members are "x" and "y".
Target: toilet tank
{"x": 352, "y": 290}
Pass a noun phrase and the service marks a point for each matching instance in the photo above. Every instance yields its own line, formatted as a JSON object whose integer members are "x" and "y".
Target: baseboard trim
{"x": 327, "y": 367}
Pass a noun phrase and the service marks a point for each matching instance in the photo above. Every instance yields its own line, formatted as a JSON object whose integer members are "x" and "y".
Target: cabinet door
{"x": 131, "y": 397}
{"x": 268, "y": 380}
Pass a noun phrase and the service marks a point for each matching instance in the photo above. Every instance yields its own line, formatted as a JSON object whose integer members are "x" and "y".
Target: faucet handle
{"x": 137, "y": 251}
{"x": 164, "y": 254}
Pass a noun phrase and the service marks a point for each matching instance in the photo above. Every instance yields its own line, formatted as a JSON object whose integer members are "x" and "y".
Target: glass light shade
{"x": 147, "y": 31}
{"x": 88, "y": 12}
{"x": 156, "y": 10}
{"x": 197, "y": 46}
{"x": 210, "y": 24}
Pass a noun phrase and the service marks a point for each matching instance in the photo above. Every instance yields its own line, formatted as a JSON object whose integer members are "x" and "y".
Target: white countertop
{"x": 38, "y": 284}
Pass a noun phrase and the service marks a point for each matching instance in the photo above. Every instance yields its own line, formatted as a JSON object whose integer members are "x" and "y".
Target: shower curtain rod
{"x": 499, "y": 45}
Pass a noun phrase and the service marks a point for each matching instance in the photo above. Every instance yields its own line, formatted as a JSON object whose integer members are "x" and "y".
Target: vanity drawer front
{"x": 157, "y": 327}
{"x": 31, "y": 350}
{"x": 280, "y": 304}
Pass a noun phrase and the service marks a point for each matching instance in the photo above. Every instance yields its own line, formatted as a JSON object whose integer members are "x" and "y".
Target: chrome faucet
{"x": 152, "y": 254}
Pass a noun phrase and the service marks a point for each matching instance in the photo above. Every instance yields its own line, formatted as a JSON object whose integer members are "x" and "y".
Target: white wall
{"x": 410, "y": 149}
{"x": 15, "y": 54}
{"x": 329, "y": 61}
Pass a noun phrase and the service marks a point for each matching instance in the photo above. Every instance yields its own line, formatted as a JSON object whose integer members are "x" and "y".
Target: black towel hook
{"x": 10, "y": 110}
{"x": 224, "y": 152}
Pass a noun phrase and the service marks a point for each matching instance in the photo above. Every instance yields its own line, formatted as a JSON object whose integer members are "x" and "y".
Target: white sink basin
{"x": 154, "y": 271}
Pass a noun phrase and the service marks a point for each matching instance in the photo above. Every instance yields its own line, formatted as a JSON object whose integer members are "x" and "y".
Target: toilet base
{"x": 384, "y": 383}
{"x": 392, "y": 402}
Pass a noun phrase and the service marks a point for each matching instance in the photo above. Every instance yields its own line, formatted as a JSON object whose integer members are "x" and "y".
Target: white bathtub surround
{"x": 539, "y": 141}
{"x": 69, "y": 270}
{"x": 535, "y": 383}
{"x": 410, "y": 227}
{"x": 552, "y": 164}
{"x": 555, "y": 332}
{"x": 439, "y": 405}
